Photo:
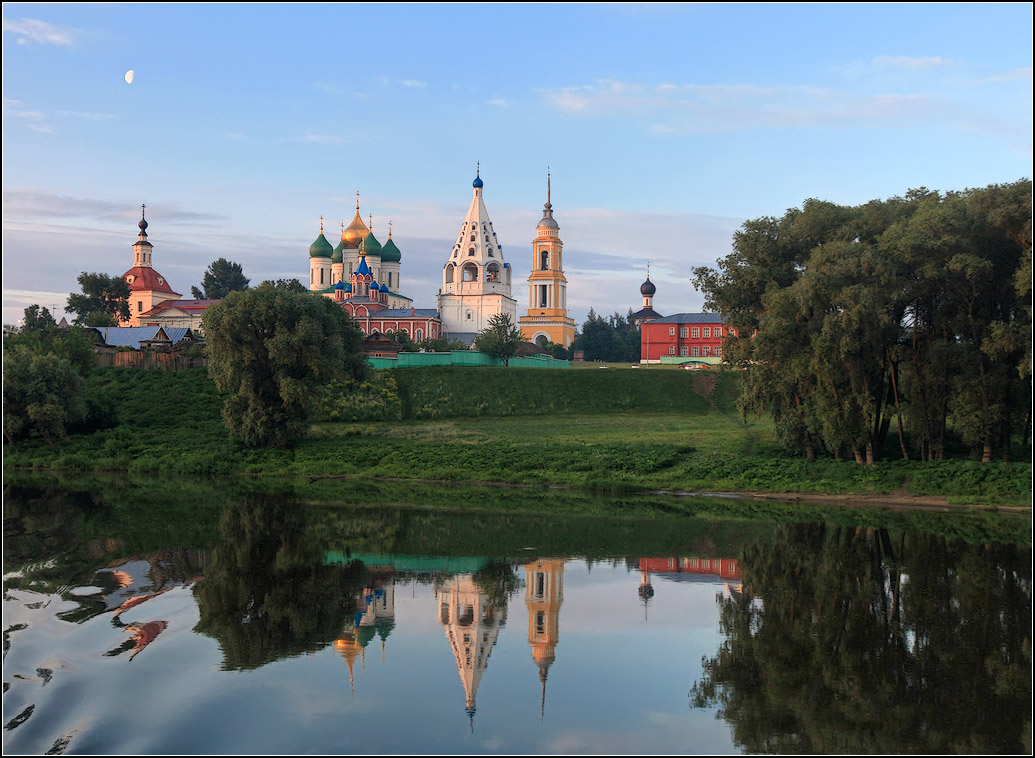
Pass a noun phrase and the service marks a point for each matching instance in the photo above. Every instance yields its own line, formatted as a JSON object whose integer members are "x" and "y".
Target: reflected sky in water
{"x": 617, "y": 681}
{"x": 262, "y": 624}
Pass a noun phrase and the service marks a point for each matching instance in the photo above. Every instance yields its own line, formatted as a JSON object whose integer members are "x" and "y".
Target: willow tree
{"x": 269, "y": 349}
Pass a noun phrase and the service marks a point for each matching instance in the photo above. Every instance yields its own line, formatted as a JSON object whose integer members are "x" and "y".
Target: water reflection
{"x": 856, "y": 640}
{"x": 800, "y": 637}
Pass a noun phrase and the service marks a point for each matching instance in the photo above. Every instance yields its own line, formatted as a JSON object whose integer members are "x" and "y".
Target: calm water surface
{"x": 270, "y": 624}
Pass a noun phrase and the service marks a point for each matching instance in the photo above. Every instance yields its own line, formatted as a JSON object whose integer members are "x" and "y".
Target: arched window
{"x": 492, "y": 273}
{"x": 544, "y": 260}
{"x": 389, "y": 279}
{"x": 449, "y": 274}
{"x": 419, "y": 335}
{"x": 470, "y": 251}
{"x": 472, "y": 236}
{"x": 470, "y": 273}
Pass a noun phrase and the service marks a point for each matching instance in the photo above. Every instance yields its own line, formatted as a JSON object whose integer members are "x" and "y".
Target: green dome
{"x": 390, "y": 253}
{"x": 370, "y": 246}
{"x": 338, "y": 255}
{"x": 321, "y": 248}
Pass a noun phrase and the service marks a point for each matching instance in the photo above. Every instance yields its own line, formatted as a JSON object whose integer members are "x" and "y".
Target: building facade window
{"x": 718, "y": 331}
{"x": 718, "y": 351}
{"x": 696, "y": 332}
{"x": 683, "y": 350}
{"x": 707, "y": 332}
{"x": 684, "y": 332}
{"x": 696, "y": 351}
{"x": 671, "y": 331}
{"x": 671, "y": 349}
{"x": 705, "y": 350}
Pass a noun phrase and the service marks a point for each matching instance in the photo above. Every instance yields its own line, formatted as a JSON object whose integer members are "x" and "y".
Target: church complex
{"x": 365, "y": 277}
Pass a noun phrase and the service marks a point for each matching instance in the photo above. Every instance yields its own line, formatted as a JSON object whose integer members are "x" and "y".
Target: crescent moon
{"x": 129, "y": 76}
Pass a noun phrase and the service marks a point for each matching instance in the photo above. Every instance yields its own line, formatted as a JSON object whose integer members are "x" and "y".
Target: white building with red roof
{"x": 147, "y": 288}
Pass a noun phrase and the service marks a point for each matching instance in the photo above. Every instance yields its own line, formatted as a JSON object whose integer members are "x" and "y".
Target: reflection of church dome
{"x": 646, "y": 591}
{"x": 648, "y": 288}
{"x": 384, "y": 627}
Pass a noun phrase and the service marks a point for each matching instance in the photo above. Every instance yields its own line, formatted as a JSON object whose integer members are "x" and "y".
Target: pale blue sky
{"x": 664, "y": 126}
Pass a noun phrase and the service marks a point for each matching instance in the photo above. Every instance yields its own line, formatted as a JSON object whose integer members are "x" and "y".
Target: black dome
{"x": 648, "y": 288}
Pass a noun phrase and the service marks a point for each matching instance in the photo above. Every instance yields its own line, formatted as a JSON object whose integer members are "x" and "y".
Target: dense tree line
{"x": 614, "y": 338}
{"x": 908, "y": 317}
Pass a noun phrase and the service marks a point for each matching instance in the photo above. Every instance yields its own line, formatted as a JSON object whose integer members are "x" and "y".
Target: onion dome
{"x": 339, "y": 251}
{"x": 356, "y": 231}
{"x": 348, "y": 287}
{"x": 477, "y": 183}
{"x": 374, "y": 287}
{"x": 648, "y": 288}
{"x": 340, "y": 285}
{"x": 370, "y": 246}
{"x": 320, "y": 248}
{"x": 390, "y": 253}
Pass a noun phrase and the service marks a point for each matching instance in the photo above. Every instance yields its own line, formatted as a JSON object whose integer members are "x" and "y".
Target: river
{"x": 371, "y": 618}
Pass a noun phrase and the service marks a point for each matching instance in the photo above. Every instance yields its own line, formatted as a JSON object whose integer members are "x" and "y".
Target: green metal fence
{"x": 463, "y": 358}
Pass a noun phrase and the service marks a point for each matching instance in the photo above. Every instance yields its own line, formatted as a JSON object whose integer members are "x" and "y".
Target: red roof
{"x": 187, "y": 306}
{"x": 146, "y": 279}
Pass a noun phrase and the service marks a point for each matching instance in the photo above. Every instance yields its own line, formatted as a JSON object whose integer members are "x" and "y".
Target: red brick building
{"x": 683, "y": 335}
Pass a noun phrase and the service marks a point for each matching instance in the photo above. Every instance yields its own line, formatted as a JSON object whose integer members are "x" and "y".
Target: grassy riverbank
{"x": 616, "y": 430}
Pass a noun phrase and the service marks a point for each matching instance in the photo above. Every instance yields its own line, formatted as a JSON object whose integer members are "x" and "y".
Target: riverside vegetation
{"x": 617, "y": 430}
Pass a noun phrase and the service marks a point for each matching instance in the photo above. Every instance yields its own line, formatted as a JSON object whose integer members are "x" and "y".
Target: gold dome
{"x": 355, "y": 232}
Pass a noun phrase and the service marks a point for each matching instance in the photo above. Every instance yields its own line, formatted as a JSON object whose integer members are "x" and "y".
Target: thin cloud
{"x": 33, "y": 30}
{"x": 319, "y": 139}
{"x": 27, "y": 205}
{"x": 88, "y": 116}
{"x": 910, "y": 62}
{"x": 403, "y": 82}
{"x": 693, "y": 109}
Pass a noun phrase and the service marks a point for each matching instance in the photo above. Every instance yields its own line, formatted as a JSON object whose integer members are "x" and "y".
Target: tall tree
{"x": 37, "y": 318}
{"x": 104, "y": 300}
{"x": 43, "y": 395}
{"x": 269, "y": 349}
{"x": 221, "y": 278}
{"x": 291, "y": 285}
{"x": 500, "y": 339}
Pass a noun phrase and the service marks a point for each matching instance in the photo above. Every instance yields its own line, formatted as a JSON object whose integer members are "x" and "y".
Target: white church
{"x": 476, "y": 278}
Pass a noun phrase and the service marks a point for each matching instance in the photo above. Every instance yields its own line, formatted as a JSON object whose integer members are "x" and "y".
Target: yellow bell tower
{"x": 547, "y": 317}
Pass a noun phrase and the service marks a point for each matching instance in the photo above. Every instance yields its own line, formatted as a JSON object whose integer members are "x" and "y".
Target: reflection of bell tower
{"x": 375, "y": 614}
{"x": 544, "y": 593}
{"x": 646, "y": 591}
{"x": 472, "y": 625}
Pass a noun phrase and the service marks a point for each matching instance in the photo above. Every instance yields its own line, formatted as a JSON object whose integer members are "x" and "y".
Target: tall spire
{"x": 548, "y": 206}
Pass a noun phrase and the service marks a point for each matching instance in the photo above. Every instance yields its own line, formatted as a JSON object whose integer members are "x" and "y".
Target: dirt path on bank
{"x": 898, "y": 501}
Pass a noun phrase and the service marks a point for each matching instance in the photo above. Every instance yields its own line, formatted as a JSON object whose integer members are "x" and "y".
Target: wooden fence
{"x": 149, "y": 360}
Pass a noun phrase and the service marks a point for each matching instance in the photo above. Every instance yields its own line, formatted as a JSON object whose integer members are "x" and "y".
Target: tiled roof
{"x": 146, "y": 279}
{"x": 690, "y": 318}
{"x": 187, "y": 306}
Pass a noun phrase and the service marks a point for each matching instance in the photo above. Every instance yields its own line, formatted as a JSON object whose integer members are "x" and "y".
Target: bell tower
{"x": 547, "y": 317}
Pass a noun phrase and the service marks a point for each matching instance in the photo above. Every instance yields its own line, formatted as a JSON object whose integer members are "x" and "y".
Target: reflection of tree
{"x": 844, "y": 654}
{"x": 267, "y": 594}
{"x": 498, "y": 582}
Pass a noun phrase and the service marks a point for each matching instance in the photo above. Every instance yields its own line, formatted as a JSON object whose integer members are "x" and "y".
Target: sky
{"x": 664, "y": 128}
